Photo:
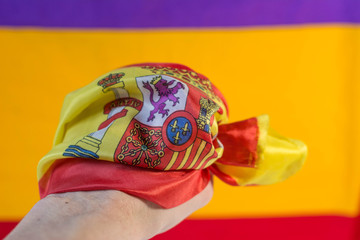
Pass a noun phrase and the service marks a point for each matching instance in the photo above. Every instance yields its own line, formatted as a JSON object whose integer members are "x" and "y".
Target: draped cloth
{"x": 158, "y": 131}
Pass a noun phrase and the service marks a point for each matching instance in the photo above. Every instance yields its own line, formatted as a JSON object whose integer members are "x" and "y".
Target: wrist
{"x": 90, "y": 215}
{"x": 107, "y": 214}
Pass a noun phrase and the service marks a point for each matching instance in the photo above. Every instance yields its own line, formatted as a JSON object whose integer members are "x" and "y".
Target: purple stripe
{"x": 176, "y": 13}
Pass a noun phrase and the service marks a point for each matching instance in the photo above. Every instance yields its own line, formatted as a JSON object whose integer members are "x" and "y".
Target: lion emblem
{"x": 165, "y": 92}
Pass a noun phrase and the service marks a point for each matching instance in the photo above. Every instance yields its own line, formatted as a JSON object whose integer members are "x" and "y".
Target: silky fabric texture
{"x": 81, "y": 174}
{"x": 277, "y": 157}
{"x": 148, "y": 129}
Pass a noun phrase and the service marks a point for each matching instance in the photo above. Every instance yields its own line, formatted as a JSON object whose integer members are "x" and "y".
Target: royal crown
{"x": 156, "y": 79}
{"x": 110, "y": 80}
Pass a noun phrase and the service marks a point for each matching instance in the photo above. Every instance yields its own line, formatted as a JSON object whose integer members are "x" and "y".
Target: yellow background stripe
{"x": 305, "y": 77}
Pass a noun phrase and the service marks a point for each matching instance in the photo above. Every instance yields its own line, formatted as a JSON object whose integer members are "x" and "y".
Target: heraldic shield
{"x": 172, "y": 130}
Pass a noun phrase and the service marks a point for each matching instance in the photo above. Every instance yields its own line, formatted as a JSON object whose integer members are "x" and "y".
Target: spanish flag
{"x": 163, "y": 137}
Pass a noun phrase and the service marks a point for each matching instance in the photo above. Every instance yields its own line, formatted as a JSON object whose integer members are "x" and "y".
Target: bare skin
{"x": 107, "y": 214}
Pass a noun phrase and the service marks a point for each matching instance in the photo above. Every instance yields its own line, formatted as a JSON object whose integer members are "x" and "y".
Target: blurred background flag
{"x": 296, "y": 60}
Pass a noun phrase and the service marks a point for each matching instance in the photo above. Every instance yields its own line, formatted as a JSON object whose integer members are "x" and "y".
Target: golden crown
{"x": 156, "y": 79}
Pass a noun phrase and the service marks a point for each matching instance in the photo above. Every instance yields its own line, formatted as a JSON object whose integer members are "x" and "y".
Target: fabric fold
{"x": 273, "y": 159}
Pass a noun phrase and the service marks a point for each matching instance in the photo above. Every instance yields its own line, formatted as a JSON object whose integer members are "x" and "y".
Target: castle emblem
{"x": 207, "y": 109}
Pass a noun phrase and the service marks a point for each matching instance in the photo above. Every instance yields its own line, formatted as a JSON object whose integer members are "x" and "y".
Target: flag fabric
{"x": 294, "y": 60}
{"x": 166, "y": 126}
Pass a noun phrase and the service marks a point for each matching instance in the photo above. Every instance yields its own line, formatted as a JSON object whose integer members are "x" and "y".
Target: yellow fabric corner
{"x": 279, "y": 158}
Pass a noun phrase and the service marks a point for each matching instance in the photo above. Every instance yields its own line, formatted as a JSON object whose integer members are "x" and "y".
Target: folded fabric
{"x": 158, "y": 131}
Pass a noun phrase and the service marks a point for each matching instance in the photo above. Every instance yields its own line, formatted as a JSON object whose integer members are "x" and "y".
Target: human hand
{"x": 106, "y": 214}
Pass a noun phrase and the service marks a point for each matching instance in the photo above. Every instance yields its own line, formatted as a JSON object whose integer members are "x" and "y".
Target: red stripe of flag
{"x": 206, "y": 150}
{"x": 193, "y": 152}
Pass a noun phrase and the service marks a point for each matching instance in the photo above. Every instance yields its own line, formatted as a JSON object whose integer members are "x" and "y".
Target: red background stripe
{"x": 295, "y": 228}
